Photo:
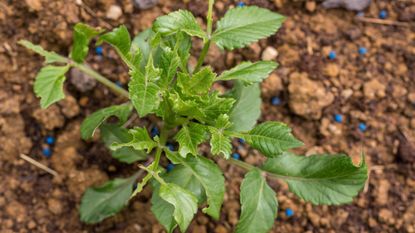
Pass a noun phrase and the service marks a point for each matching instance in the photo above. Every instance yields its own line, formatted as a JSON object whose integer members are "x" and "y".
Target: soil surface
{"x": 374, "y": 92}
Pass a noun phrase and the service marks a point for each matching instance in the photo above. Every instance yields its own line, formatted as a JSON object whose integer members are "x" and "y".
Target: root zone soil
{"x": 375, "y": 89}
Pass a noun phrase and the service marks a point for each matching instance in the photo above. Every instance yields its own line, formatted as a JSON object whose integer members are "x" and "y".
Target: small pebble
{"x": 114, "y": 12}
{"x": 289, "y": 212}
{"x": 332, "y": 55}
{"x": 236, "y": 156}
{"x": 275, "y": 101}
{"x": 170, "y": 146}
{"x": 383, "y": 14}
{"x": 241, "y": 4}
{"x": 99, "y": 50}
{"x": 362, "y": 50}
{"x": 362, "y": 127}
{"x": 47, "y": 152}
{"x": 145, "y": 4}
{"x": 360, "y": 14}
{"x": 50, "y": 140}
{"x": 241, "y": 140}
{"x": 338, "y": 118}
{"x": 154, "y": 132}
{"x": 169, "y": 167}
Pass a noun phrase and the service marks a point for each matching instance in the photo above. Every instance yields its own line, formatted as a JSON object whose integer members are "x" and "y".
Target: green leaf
{"x": 258, "y": 204}
{"x": 199, "y": 83}
{"x": 249, "y": 72}
{"x": 140, "y": 140}
{"x": 81, "y": 37}
{"x": 144, "y": 92}
{"x": 244, "y": 25}
{"x": 188, "y": 107}
{"x": 120, "y": 39}
{"x": 271, "y": 138}
{"x": 220, "y": 142}
{"x": 49, "y": 84}
{"x": 184, "y": 202}
{"x": 169, "y": 63}
{"x": 320, "y": 179}
{"x": 112, "y": 133}
{"x": 189, "y": 137}
{"x": 93, "y": 121}
{"x": 212, "y": 106}
{"x": 209, "y": 175}
{"x": 106, "y": 200}
{"x": 247, "y": 109}
{"x": 178, "y": 21}
{"x": 50, "y": 57}
{"x": 162, "y": 210}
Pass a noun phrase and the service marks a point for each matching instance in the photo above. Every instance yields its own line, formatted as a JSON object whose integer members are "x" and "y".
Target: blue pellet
{"x": 383, "y": 14}
{"x": 99, "y": 50}
{"x": 50, "y": 140}
{"x": 118, "y": 83}
{"x": 154, "y": 132}
{"x": 289, "y": 212}
{"x": 134, "y": 186}
{"x": 362, "y": 127}
{"x": 241, "y": 4}
{"x": 169, "y": 167}
{"x": 332, "y": 55}
{"x": 338, "y": 118}
{"x": 275, "y": 101}
{"x": 47, "y": 152}
{"x": 362, "y": 50}
{"x": 170, "y": 146}
{"x": 236, "y": 156}
{"x": 241, "y": 140}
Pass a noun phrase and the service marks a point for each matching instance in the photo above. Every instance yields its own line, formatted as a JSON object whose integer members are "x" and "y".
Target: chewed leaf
{"x": 81, "y": 37}
{"x": 50, "y": 57}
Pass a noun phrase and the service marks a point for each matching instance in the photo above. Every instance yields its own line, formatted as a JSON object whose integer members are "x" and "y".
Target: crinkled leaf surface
{"x": 189, "y": 137}
{"x": 209, "y": 175}
{"x": 140, "y": 140}
{"x": 199, "y": 83}
{"x": 106, "y": 200}
{"x": 258, "y": 204}
{"x": 144, "y": 92}
{"x": 169, "y": 62}
{"x": 181, "y": 20}
{"x": 184, "y": 202}
{"x": 220, "y": 142}
{"x": 112, "y": 133}
{"x": 93, "y": 121}
{"x": 244, "y": 25}
{"x": 249, "y": 72}
{"x": 272, "y": 138}
{"x": 49, "y": 84}
{"x": 320, "y": 179}
{"x": 82, "y": 35}
{"x": 50, "y": 57}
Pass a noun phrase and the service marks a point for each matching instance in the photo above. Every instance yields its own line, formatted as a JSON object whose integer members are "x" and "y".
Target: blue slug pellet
{"x": 289, "y": 212}
{"x": 236, "y": 156}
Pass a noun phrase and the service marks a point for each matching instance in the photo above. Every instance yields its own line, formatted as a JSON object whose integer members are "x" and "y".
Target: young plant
{"x": 162, "y": 84}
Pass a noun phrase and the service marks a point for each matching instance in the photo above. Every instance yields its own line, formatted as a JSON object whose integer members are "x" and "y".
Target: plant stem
{"x": 89, "y": 71}
{"x": 163, "y": 139}
{"x": 241, "y": 164}
{"x": 206, "y": 45}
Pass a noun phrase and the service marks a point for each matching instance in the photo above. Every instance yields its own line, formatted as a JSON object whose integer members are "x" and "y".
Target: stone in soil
{"x": 114, "y": 12}
{"x": 307, "y": 97}
{"x": 81, "y": 81}
{"x": 145, "y": 4}
{"x": 353, "y": 5}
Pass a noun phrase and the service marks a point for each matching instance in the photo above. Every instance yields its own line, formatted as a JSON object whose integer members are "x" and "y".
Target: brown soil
{"x": 378, "y": 89}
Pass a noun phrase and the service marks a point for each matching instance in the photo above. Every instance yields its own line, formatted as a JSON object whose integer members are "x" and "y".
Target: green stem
{"x": 89, "y": 71}
{"x": 249, "y": 167}
{"x": 206, "y": 45}
{"x": 163, "y": 139}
